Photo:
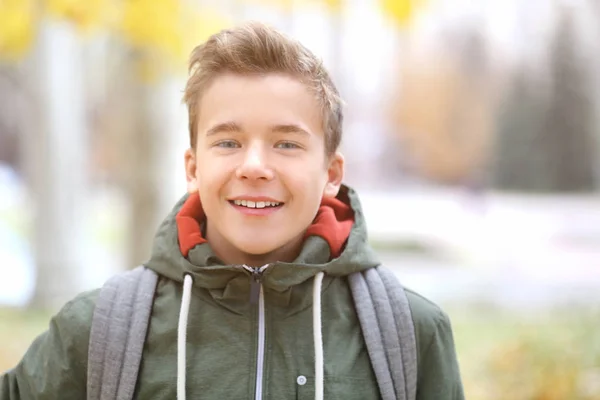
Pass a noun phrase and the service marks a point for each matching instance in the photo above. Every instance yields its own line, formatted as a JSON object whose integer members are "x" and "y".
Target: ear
{"x": 335, "y": 175}
{"x": 190, "y": 170}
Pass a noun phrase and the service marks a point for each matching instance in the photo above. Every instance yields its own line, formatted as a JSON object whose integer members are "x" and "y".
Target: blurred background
{"x": 471, "y": 132}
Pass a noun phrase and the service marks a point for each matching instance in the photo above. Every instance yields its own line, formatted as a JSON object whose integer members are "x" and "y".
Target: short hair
{"x": 256, "y": 48}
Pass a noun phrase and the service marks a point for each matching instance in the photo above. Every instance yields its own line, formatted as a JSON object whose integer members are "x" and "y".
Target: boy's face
{"x": 260, "y": 165}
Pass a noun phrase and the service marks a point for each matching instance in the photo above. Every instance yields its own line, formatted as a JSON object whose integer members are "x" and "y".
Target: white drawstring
{"x": 318, "y": 336}
{"x": 181, "y": 336}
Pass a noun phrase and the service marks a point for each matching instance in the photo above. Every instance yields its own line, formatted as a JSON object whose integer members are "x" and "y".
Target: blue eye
{"x": 287, "y": 145}
{"x": 228, "y": 144}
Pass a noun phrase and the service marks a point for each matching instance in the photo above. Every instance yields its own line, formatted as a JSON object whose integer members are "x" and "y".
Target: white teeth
{"x": 258, "y": 204}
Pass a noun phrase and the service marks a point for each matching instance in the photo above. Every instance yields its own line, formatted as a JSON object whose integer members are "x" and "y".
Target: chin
{"x": 257, "y": 245}
{"x": 256, "y": 249}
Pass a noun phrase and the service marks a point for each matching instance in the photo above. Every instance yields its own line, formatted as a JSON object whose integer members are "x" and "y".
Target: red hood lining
{"x": 333, "y": 223}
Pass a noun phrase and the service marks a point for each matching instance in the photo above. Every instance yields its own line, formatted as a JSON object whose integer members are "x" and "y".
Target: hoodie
{"x": 249, "y": 332}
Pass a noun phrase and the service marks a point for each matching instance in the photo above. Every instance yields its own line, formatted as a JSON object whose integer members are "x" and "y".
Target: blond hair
{"x": 255, "y": 48}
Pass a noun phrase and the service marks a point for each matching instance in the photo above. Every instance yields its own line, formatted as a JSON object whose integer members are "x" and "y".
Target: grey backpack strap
{"x": 118, "y": 333}
{"x": 405, "y": 328}
{"x": 386, "y": 322}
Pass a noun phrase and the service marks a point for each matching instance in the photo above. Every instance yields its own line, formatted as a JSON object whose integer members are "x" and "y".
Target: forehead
{"x": 259, "y": 99}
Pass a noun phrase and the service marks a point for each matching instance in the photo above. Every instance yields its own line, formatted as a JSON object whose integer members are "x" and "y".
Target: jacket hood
{"x": 336, "y": 244}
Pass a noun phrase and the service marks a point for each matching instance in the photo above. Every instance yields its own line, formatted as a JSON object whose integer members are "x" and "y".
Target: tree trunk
{"x": 548, "y": 144}
{"x": 149, "y": 133}
{"x": 55, "y": 152}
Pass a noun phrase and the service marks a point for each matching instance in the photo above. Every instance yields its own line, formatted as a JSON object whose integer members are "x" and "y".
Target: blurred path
{"x": 509, "y": 250}
{"x": 511, "y": 287}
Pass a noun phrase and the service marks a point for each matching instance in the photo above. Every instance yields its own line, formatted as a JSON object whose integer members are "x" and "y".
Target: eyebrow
{"x": 230, "y": 127}
{"x": 289, "y": 128}
{"x": 223, "y": 128}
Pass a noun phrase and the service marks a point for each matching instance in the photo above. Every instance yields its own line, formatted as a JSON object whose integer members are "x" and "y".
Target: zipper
{"x": 257, "y": 296}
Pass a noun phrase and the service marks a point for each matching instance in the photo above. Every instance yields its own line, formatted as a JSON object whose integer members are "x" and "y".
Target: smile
{"x": 256, "y": 204}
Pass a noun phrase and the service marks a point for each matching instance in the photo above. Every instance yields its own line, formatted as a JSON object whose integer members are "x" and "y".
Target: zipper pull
{"x": 256, "y": 281}
{"x": 256, "y": 274}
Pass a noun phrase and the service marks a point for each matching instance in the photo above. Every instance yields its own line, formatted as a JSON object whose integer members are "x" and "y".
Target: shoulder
{"x": 67, "y": 339}
{"x": 69, "y": 330}
{"x": 438, "y": 371}
{"x": 79, "y": 311}
{"x": 56, "y": 361}
{"x": 73, "y": 322}
{"x": 429, "y": 319}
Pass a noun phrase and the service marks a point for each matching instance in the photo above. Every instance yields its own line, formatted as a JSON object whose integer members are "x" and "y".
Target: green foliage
{"x": 533, "y": 357}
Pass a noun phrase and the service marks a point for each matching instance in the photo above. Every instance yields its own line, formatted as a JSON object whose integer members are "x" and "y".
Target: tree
{"x": 568, "y": 143}
{"x": 10, "y": 98}
{"x": 547, "y": 144}
{"x": 515, "y": 164}
{"x": 443, "y": 112}
{"x": 55, "y": 153}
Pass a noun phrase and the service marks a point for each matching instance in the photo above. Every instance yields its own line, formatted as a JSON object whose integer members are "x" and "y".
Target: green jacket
{"x": 223, "y": 329}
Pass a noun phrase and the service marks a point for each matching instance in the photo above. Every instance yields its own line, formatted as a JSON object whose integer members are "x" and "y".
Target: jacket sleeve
{"x": 439, "y": 374}
{"x": 55, "y": 365}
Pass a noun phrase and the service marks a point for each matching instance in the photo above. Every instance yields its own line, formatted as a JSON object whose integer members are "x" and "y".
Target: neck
{"x": 230, "y": 254}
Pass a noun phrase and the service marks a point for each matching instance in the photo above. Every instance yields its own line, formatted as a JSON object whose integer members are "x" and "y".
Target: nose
{"x": 254, "y": 165}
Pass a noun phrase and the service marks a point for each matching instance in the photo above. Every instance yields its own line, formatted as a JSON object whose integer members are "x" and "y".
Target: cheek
{"x": 210, "y": 179}
{"x": 309, "y": 184}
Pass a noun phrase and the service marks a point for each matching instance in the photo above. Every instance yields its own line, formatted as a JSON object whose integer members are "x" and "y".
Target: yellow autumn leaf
{"x": 166, "y": 31}
{"x": 400, "y": 11}
{"x": 153, "y": 24}
{"x": 334, "y": 5}
{"x": 18, "y": 21}
{"x": 86, "y": 15}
